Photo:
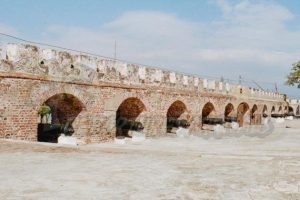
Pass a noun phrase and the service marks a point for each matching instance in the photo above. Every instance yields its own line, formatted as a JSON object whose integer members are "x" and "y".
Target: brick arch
{"x": 129, "y": 111}
{"x": 207, "y": 110}
{"x": 279, "y": 109}
{"x": 177, "y": 109}
{"x": 273, "y": 109}
{"x": 45, "y": 95}
{"x": 242, "y": 109}
{"x": 65, "y": 107}
{"x": 254, "y": 109}
{"x": 177, "y": 116}
{"x": 264, "y": 110}
{"x": 115, "y": 101}
{"x": 254, "y": 114}
{"x": 131, "y": 108}
{"x": 291, "y": 110}
{"x": 188, "y": 102}
{"x": 229, "y": 110}
{"x": 82, "y": 122}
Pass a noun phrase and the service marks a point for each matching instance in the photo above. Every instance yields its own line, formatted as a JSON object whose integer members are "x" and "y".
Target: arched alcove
{"x": 229, "y": 113}
{"x": 273, "y": 110}
{"x": 290, "y": 111}
{"x": 265, "y": 111}
{"x": 56, "y": 116}
{"x": 241, "y": 111}
{"x": 127, "y": 116}
{"x": 176, "y": 117}
{"x": 255, "y": 118}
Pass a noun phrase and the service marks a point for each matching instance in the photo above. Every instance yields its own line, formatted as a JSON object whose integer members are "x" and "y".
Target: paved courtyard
{"x": 163, "y": 168}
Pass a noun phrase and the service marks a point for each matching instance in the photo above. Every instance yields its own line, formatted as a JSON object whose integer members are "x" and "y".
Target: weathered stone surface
{"x": 30, "y": 76}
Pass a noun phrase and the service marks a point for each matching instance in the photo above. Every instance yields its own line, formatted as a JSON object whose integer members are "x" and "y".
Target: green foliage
{"x": 294, "y": 77}
{"x": 44, "y": 109}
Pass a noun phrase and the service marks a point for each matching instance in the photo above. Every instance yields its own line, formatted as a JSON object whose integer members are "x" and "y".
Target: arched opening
{"x": 255, "y": 118}
{"x": 265, "y": 111}
{"x": 273, "y": 110}
{"x": 229, "y": 113}
{"x": 298, "y": 110}
{"x": 127, "y": 117}
{"x": 176, "y": 116}
{"x": 278, "y": 114}
{"x": 56, "y": 117}
{"x": 241, "y": 111}
{"x": 208, "y": 117}
{"x": 291, "y": 111}
{"x": 280, "y": 109}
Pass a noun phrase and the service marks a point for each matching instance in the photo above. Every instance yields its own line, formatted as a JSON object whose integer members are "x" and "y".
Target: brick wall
{"x": 92, "y": 98}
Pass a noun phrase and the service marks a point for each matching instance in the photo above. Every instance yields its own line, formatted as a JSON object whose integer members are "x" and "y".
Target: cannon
{"x": 50, "y": 132}
{"x": 176, "y": 123}
{"x": 124, "y": 125}
{"x": 230, "y": 119}
{"x": 278, "y": 115}
{"x": 265, "y": 115}
{"x": 289, "y": 114}
{"x": 212, "y": 121}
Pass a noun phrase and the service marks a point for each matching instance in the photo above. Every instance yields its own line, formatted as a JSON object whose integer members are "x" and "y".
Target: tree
{"x": 294, "y": 77}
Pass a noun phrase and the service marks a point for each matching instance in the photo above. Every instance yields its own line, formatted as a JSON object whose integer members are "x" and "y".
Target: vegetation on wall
{"x": 44, "y": 110}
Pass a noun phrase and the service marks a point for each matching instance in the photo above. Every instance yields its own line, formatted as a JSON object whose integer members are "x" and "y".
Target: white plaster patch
{"x": 220, "y": 86}
{"x": 87, "y": 61}
{"x": 185, "y": 80}
{"x": 205, "y": 83}
{"x": 48, "y": 54}
{"x": 182, "y": 132}
{"x": 69, "y": 140}
{"x": 138, "y": 137}
{"x": 122, "y": 68}
{"x": 196, "y": 81}
{"x": 12, "y": 52}
{"x": 294, "y": 101}
{"x": 157, "y": 75}
{"x": 2, "y": 53}
{"x": 172, "y": 77}
{"x": 212, "y": 85}
{"x": 142, "y": 73}
{"x": 228, "y": 87}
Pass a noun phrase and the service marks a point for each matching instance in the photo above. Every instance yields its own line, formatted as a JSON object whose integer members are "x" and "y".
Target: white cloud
{"x": 247, "y": 39}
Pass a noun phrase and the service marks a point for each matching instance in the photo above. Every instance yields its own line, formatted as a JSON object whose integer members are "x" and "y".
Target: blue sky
{"x": 258, "y": 40}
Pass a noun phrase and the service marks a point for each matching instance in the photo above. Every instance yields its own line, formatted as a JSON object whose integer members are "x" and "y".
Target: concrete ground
{"x": 165, "y": 168}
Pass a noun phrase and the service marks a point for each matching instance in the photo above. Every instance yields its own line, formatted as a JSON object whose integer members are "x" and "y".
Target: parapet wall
{"x": 17, "y": 59}
{"x": 92, "y": 93}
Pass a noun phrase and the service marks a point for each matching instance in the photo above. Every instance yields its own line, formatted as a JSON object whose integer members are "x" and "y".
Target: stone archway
{"x": 177, "y": 116}
{"x": 209, "y": 115}
{"x": 255, "y": 117}
{"x": 290, "y": 111}
{"x": 265, "y": 111}
{"x": 128, "y": 116}
{"x": 298, "y": 110}
{"x": 57, "y": 115}
{"x": 273, "y": 110}
{"x": 241, "y": 111}
{"x": 229, "y": 113}
{"x": 207, "y": 109}
{"x": 280, "y": 110}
